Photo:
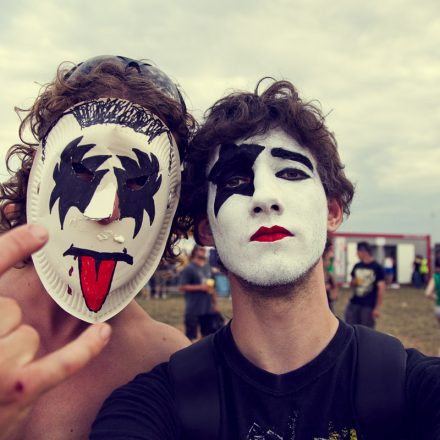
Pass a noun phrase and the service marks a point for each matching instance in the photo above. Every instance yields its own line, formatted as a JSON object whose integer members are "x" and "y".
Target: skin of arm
{"x": 429, "y": 292}
{"x": 380, "y": 295}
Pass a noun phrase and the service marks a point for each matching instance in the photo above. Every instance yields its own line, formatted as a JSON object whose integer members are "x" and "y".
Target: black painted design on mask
{"x": 99, "y": 256}
{"x": 76, "y": 178}
{"x": 137, "y": 184}
{"x": 116, "y": 111}
{"x": 292, "y": 155}
{"x": 233, "y": 173}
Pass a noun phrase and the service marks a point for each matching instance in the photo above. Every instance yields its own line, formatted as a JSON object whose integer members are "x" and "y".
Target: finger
{"x": 18, "y": 348}
{"x": 19, "y": 243}
{"x": 47, "y": 372}
{"x": 10, "y": 315}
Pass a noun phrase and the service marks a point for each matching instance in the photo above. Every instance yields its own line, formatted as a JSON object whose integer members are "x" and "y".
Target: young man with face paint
{"x": 265, "y": 185}
{"x": 103, "y": 177}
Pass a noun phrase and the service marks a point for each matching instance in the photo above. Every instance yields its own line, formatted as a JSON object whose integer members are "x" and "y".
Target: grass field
{"x": 406, "y": 313}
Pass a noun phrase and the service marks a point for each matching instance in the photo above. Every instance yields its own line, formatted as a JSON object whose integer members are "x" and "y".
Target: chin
{"x": 276, "y": 276}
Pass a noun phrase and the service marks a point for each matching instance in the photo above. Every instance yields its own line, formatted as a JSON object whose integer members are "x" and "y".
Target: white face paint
{"x": 106, "y": 185}
{"x": 267, "y": 209}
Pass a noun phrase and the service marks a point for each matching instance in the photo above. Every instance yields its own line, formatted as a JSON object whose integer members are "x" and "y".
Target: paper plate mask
{"x": 106, "y": 184}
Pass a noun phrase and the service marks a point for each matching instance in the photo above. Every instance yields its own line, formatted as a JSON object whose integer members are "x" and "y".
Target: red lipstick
{"x": 273, "y": 233}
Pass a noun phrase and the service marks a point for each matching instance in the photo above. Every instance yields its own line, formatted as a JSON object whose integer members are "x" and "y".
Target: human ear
{"x": 335, "y": 214}
{"x": 203, "y": 233}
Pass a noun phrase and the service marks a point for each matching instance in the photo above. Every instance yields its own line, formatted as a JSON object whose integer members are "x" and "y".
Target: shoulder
{"x": 419, "y": 364}
{"x": 377, "y": 265}
{"x": 188, "y": 268}
{"x": 423, "y": 393}
{"x": 143, "y": 408}
{"x": 423, "y": 373}
{"x": 149, "y": 341}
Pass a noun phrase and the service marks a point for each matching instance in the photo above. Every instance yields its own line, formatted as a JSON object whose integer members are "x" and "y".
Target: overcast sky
{"x": 374, "y": 67}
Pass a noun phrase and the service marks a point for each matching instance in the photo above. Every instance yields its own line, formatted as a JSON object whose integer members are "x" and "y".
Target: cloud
{"x": 371, "y": 65}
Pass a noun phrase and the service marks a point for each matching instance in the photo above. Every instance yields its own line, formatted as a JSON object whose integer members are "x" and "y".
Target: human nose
{"x": 104, "y": 206}
{"x": 265, "y": 199}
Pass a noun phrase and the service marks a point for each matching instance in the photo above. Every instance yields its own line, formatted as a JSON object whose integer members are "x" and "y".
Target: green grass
{"x": 406, "y": 314}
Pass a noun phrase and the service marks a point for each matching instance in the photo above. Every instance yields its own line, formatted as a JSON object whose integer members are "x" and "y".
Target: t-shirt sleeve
{"x": 380, "y": 274}
{"x": 423, "y": 394}
{"x": 353, "y": 271}
{"x": 142, "y": 409}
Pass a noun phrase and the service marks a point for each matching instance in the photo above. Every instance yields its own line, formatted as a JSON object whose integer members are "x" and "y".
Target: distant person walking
{"x": 367, "y": 280}
{"x": 200, "y": 298}
{"x": 424, "y": 271}
{"x": 416, "y": 279}
{"x": 389, "y": 270}
{"x": 433, "y": 290}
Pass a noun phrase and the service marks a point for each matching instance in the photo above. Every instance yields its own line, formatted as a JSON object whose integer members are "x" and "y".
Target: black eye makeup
{"x": 292, "y": 174}
{"x": 232, "y": 173}
{"x": 234, "y": 181}
{"x": 282, "y": 153}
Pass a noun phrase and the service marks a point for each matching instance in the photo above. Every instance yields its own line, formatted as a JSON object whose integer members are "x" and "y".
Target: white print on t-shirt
{"x": 256, "y": 432}
{"x": 365, "y": 279}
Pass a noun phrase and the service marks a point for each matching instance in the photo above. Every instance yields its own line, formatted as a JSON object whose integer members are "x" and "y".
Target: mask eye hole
{"x": 82, "y": 172}
{"x": 136, "y": 183}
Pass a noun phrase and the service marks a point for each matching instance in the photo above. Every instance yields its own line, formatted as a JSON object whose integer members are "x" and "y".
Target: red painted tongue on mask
{"x": 95, "y": 286}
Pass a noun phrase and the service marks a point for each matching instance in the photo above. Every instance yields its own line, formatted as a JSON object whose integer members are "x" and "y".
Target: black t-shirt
{"x": 197, "y": 302}
{"x": 367, "y": 276}
{"x": 312, "y": 402}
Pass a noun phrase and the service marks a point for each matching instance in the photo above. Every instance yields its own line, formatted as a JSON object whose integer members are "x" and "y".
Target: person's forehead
{"x": 275, "y": 138}
{"x": 116, "y": 139}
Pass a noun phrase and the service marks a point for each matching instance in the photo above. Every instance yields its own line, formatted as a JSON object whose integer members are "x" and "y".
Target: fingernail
{"x": 105, "y": 332}
{"x": 38, "y": 231}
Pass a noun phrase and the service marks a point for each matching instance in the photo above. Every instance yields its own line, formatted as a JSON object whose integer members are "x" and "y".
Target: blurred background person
{"x": 200, "y": 298}
{"x": 331, "y": 286}
{"x": 389, "y": 270}
{"x": 424, "y": 271}
{"x": 433, "y": 289}
{"x": 416, "y": 278}
{"x": 368, "y": 282}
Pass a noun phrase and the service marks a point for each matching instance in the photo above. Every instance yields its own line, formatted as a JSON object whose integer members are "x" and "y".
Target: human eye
{"x": 136, "y": 183}
{"x": 235, "y": 182}
{"x": 292, "y": 174}
{"x": 82, "y": 172}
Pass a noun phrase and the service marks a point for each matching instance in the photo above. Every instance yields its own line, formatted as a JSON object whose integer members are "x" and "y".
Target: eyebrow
{"x": 282, "y": 153}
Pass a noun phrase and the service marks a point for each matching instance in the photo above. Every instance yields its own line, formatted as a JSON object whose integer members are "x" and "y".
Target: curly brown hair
{"x": 241, "y": 115}
{"x": 113, "y": 77}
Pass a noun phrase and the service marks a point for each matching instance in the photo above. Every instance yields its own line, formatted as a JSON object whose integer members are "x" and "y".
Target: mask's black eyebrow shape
{"x": 134, "y": 201}
{"x": 291, "y": 155}
{"x": 69, "y": 189}
{"x": 234, "y": 161}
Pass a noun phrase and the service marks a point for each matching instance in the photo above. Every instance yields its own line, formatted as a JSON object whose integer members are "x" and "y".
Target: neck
{"x": 287, "y": 329}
